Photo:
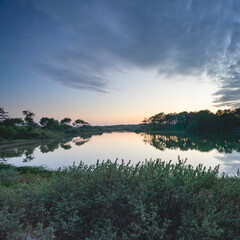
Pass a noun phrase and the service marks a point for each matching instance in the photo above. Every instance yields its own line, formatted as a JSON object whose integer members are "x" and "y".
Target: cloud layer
{"x": 187, "y": 37}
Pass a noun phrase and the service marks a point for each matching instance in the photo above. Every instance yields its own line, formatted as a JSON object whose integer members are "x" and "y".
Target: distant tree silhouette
{"x": 66, "y": 121}
{"x": 80, "y": 122}
{"x": 12, "y": 121}
{"x": 3, "y": 114}
{"x": 201, "y": 121}
{"x": 28, "y": 117}
{"x": 49, "y": 123}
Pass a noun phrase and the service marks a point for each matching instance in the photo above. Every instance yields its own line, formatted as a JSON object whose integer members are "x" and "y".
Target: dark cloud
{"x": 186, "y": 37}
{"x": 74, "y": 78}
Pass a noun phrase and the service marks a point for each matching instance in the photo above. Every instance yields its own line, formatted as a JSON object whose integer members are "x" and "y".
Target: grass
{"x": 111, "y": 200}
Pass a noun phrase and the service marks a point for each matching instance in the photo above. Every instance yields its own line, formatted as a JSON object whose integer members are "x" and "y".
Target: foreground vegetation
{"x": 152, "y": 200}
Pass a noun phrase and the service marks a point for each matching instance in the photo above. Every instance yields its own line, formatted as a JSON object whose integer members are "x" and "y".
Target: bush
{"x": 7, "y": 132}
{"x": 152, "y": 200}
{"x": 8, "y": 176}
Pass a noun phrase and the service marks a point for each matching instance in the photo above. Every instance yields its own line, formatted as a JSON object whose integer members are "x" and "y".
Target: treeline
{"x": 26, "y": 127}
{"x": 201, "y": 121}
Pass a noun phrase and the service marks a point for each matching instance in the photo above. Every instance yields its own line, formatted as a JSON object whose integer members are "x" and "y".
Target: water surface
{"x": 209, "y": 151}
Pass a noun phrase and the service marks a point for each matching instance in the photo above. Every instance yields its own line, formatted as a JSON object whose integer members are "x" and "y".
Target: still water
{"x": 136, "y": 147}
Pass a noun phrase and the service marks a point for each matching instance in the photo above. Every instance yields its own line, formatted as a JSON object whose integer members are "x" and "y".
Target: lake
{"x": 209, "y": 151}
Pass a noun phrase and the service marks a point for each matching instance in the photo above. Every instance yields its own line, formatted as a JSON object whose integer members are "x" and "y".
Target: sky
{"x": 111, "y": 62}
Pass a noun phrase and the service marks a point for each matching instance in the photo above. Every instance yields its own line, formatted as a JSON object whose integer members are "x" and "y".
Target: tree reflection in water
{"x": 26, "y": 152}
{"x": 80, "y": 141}
{"x": 203, "y": 143}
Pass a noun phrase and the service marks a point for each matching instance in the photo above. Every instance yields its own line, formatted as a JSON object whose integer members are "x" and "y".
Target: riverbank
{"x": 12, "y": 144}
{"x": 153, "y": 200}
{"x": 40, "y": 135}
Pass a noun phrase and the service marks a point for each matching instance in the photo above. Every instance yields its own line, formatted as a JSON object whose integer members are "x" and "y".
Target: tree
{"x": 28, "y": 117}
{"x": 49, "y": 123}
{"x": 80, "y": 122}
{"x": 219, "y": 112}
{"x": 156, "y": 121}
{"x": 66, "y": 121}
{"x": 3, "y": 114}
{"x": 145, "y": 121}
{"x": 237, "y": 116}
{"x": 12, "y": 122}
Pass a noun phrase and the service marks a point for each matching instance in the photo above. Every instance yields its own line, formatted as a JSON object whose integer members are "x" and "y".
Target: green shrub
{"x": 8, "y": 176}
{"x": 151, "y": 200}
{"x": 7, "y": 132}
